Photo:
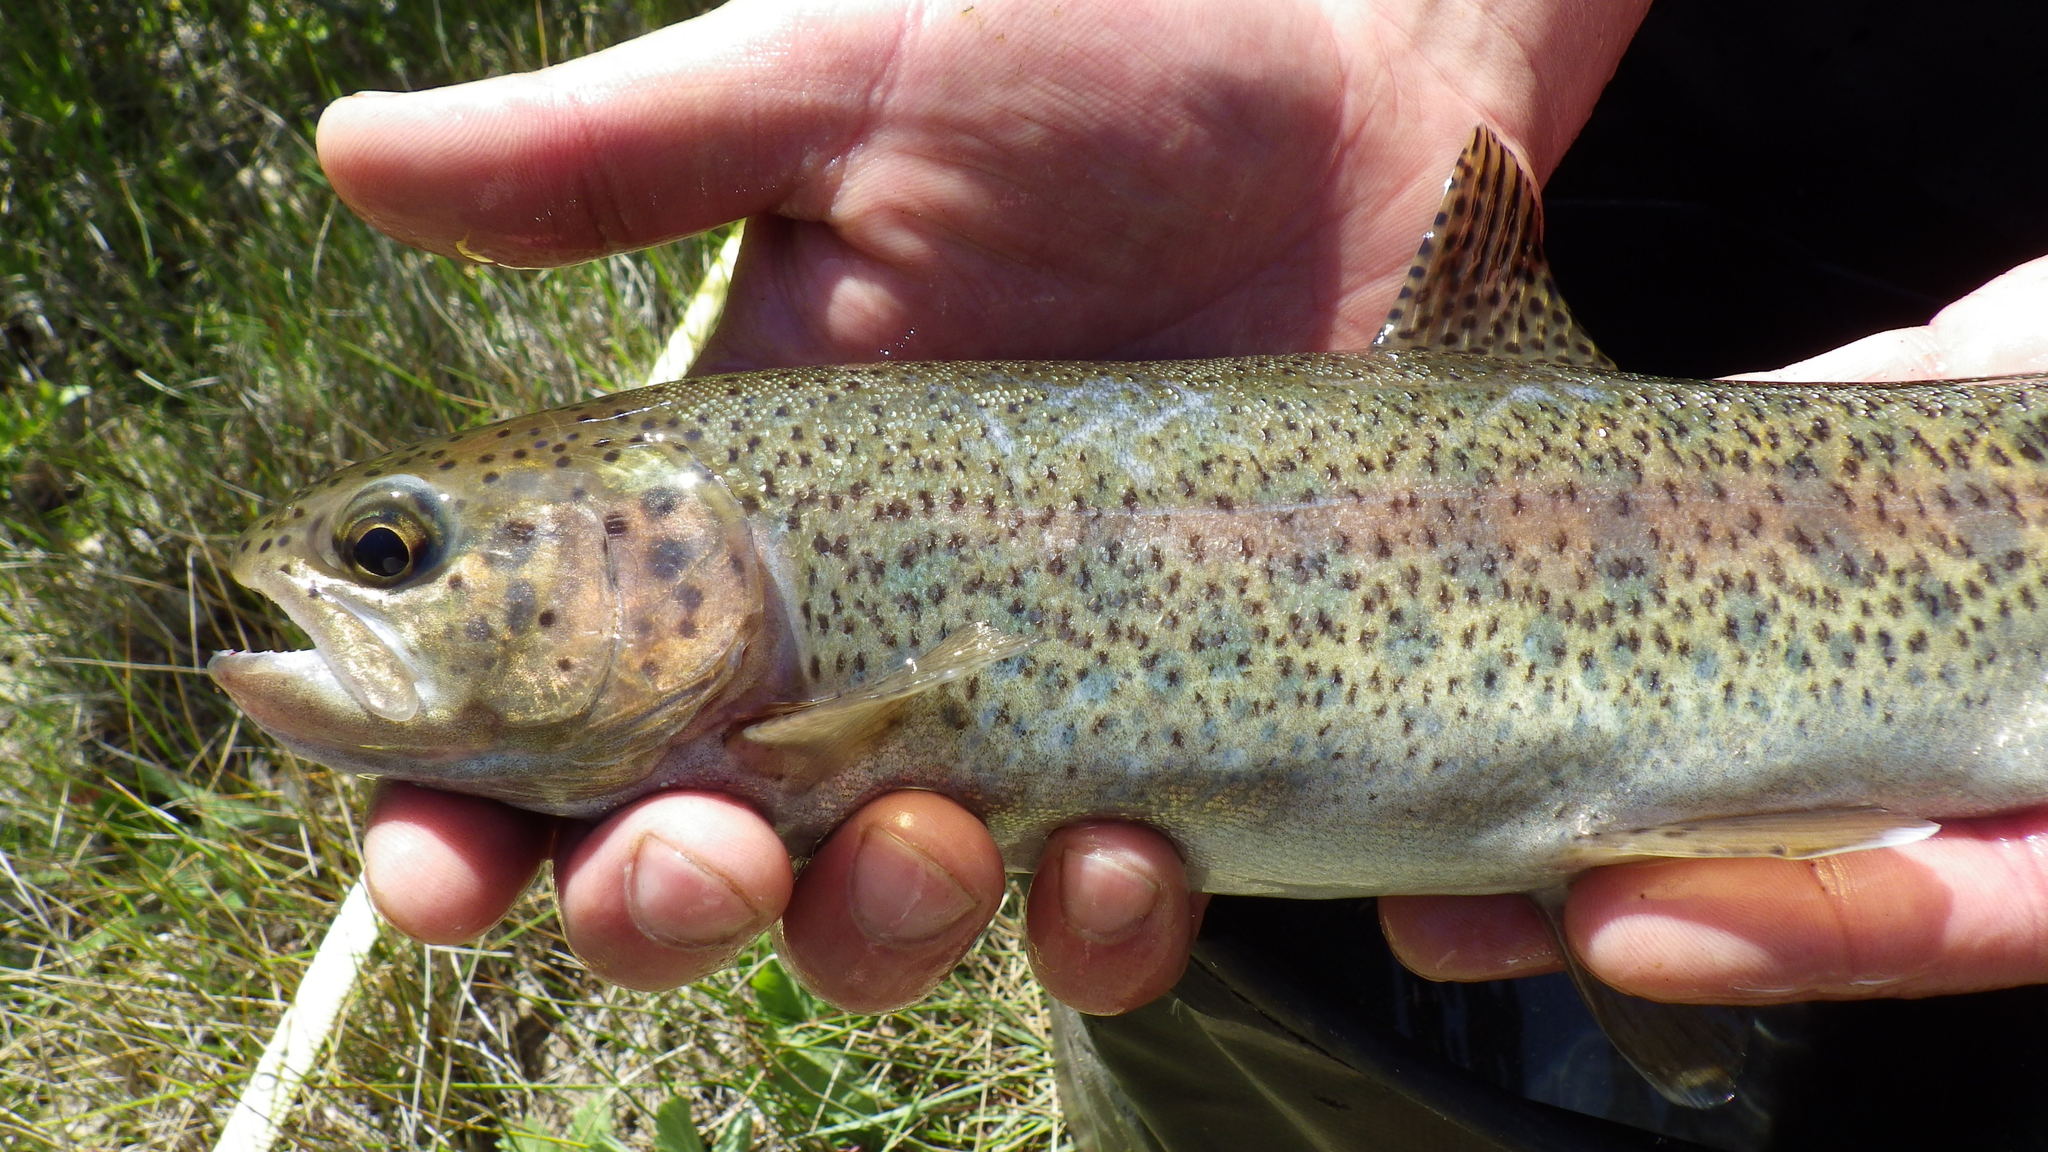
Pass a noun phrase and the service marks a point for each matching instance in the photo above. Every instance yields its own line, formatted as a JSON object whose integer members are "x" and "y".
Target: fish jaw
{"x": 352, "y": 651}
{"x": 300, "y": 701}
{"x": 359, "y": 699}
{"x": 293, "y": 695}
{"x": 351, "y": 701}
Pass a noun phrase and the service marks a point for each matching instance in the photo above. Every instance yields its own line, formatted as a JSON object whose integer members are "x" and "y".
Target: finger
{"x": 1990, "y": 332}
{"x": 891, "y": 902}
{"x": 668, "y": 890}
{"x": 444, "y": 868}
{"x": 683, "y": 129}
{"x": 1110, "y": 918}
{"x": 1469, "y": 937}
{"x": 1996, "y": 329}
{"x": 1963, "y": 912}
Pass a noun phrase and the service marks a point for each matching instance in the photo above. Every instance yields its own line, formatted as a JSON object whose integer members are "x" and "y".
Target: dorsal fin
{"x": 1480, "y": 282}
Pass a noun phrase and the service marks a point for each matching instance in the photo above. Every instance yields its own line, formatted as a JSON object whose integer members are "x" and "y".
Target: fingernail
{"x": 901, "y": 895}
{"x": 1102, "y": 898}
{"x": 371, "y": 94}
{"x": 676, "y": 901}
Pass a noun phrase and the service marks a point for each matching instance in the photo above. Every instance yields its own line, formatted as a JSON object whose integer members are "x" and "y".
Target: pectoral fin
{"x": 850, "y": 718}
{"x": 1785, "y": 835}
{"x": 1480, "y": 282}
{"x": 1692, "y": 1054}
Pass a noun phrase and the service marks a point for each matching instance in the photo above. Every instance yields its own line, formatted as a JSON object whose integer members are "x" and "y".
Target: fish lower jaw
{"x": 236, "y": 664}
{"x": 273, "y": 685}
{"x": 255, "y": 679}
{"x": 353, "y": 651}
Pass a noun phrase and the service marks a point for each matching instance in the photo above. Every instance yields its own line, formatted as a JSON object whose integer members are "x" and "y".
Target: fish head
{"x": 529, "y": 611}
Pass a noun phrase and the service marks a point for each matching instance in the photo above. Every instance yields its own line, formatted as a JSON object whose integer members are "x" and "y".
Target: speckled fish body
{"x": 1411, "y": 624}
{"x": 1393, "y": 622}
{"x": 1468, "y": 612}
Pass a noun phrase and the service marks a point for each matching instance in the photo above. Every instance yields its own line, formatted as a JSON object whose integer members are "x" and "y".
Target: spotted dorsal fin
{"x": 1480, "y": 282}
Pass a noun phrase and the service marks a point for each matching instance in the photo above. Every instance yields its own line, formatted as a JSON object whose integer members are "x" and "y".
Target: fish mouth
{"x": 354, "y": 659}
{"x": 279, "y": 690}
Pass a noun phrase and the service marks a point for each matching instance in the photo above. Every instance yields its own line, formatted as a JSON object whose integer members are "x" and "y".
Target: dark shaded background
{"x": 1762, "y": 182}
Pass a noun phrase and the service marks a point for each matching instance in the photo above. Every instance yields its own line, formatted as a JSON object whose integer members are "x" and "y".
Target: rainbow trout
{"x": 1469, "y": 612}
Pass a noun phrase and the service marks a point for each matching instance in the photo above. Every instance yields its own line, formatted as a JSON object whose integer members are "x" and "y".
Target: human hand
{"x": 1112, "y": 179}
{"x": 1965, "y": 911}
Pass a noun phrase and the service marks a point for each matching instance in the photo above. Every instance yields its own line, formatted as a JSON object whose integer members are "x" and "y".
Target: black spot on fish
{"x": 477, "y": 629}
{"x": 516, "y": 538}
{"x": 660, "y": 501}
{"x": 667, "y": 559}
{"x": 615, "y": 525}
{"x": 546, "y": 619}
{"x": 519, "y": 606}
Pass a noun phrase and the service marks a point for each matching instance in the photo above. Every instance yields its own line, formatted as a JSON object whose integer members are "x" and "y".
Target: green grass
{"x": 192, "y": 326}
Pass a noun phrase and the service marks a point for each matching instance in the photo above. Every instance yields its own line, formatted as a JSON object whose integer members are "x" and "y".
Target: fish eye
{"x": 387, "y": 536}
{"x": 384, "y": 553}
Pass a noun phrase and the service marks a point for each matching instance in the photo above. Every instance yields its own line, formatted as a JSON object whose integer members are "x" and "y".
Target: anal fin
{"x": 1783, "y": 835}
{"x": 1692, "y": 1054}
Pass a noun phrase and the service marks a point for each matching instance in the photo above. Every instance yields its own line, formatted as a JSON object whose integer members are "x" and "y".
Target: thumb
{"x": 728, "y": 115}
